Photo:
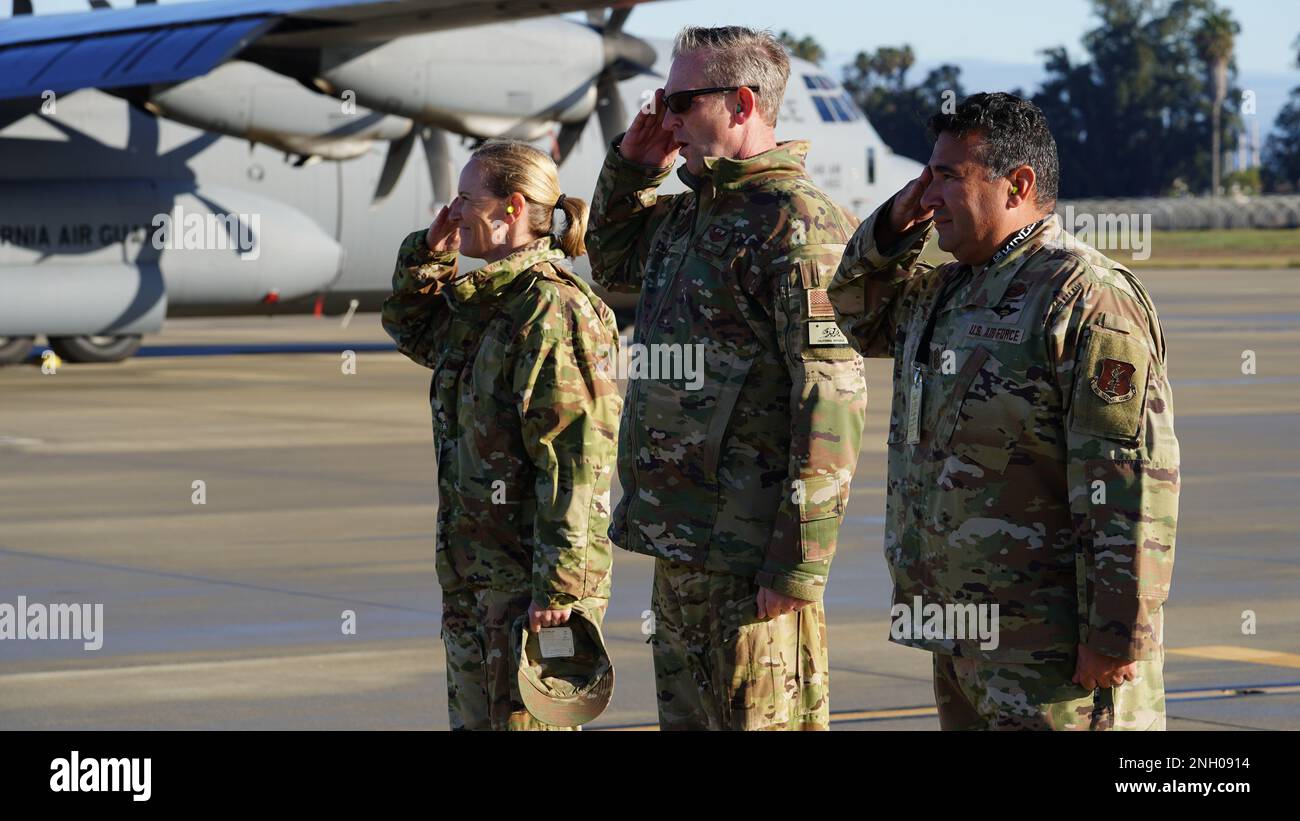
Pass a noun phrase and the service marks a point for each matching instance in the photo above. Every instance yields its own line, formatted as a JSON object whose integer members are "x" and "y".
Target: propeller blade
{"x": 568, "y": 138}
{"x": 398, "y": 151}
{"x": 437, "y": 153}
{"x": 616, "y": 20}
{"x": 626, "y": 54}
{"x": 609, "y": 107}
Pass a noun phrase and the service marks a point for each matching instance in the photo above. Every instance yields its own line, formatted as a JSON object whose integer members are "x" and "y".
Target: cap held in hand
{"x": 565, "y": 674}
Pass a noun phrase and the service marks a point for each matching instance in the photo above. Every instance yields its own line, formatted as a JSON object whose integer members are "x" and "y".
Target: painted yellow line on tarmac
{"x": 921, "y": 712}
{"x": 1246, "y": 655}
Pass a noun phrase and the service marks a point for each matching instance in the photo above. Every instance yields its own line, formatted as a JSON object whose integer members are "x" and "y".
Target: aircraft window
{"x": 823, "y": 109}
{"x": 850, "y": 107}
{"x": 810, "y": 81}
{"x": 827, "y": 82}
{"x": 838, "y": 108}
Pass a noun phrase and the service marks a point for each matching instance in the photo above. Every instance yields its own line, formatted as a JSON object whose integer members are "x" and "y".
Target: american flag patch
{"x": 819, "y": 304}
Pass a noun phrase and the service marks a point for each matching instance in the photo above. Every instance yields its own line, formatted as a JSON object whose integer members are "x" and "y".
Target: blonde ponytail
{"x": 575, "y": 226}
{"x": 513, "y": 166}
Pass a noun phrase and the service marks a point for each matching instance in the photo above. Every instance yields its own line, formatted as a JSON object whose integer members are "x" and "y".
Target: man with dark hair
{"x": 1015, "y": 134}
{"x": 1033, "y": 468}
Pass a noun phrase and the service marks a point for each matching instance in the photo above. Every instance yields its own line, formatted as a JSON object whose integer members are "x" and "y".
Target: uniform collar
{"x": 786, "y": 161}
{"x": 991, "y": 283}
{"x": 483, "y": 285}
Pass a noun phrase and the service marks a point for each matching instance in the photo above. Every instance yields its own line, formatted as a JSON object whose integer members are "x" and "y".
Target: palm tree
{"x": 805, "y": 49}
{"x": 1214, "y": 41}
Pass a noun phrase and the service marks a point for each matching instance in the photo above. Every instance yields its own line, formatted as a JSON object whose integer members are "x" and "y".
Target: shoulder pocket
{"x": 1110, "y": 382}
{"x": 813, "y": 330}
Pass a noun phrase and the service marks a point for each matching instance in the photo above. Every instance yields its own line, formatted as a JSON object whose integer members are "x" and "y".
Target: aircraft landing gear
{"x": 14, "y": 349}
{"x": 95, "y": 348}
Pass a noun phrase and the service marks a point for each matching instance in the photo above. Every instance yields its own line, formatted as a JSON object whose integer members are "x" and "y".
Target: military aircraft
{"x": 257, "y": 156}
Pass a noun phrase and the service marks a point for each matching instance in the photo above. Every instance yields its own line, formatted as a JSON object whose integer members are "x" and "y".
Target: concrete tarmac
{"x": 319, "y": 501}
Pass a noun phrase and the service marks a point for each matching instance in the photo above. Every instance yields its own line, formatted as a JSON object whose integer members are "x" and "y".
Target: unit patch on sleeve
{"x": 1114, "y": 383}
{"x": 825, "y": 332}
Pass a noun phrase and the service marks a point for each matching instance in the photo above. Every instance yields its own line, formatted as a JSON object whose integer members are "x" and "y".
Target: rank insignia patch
{"x": 1013, "y": 302}
{"x": 1115, "y": 381}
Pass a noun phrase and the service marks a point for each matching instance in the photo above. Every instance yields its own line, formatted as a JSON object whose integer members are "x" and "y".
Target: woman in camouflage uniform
{"x": 525, "y": 417}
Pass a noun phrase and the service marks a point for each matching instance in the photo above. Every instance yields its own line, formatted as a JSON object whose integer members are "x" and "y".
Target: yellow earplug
{"x": 1014, "y": 190}
{"x": 510, "y": 209}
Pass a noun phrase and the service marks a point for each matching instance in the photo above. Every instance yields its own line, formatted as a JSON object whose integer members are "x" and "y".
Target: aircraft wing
{"x": 114, "y": 48}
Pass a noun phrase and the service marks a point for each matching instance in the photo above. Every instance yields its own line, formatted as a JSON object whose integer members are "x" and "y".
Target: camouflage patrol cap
{"x": 574, "y": 684}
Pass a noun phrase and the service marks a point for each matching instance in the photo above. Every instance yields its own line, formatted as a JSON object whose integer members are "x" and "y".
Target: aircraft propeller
{"x": 626, "y": 56}
{"x": 437, "y": 153}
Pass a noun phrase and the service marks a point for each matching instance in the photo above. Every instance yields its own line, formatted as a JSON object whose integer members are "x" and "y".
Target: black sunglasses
{"x": 679, "y": 102}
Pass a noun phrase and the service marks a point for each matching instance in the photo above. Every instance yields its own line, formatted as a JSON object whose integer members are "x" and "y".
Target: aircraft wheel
{"x": 95, "y": 348}
{"x": 14, "y": 349}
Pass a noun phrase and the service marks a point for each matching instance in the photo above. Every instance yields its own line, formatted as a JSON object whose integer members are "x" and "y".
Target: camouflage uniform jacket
{"x": 1032, "y": 457}
{"x": 747, "y": 470}
{"x": 524, "y": 417}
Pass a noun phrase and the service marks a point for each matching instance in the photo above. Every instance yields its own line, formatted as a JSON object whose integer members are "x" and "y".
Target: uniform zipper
{"x": 634, "y": 389}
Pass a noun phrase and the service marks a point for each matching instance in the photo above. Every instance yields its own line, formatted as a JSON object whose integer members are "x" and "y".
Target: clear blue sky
{"x": 997, "y": 43}
{"x": 1008, "y": 31}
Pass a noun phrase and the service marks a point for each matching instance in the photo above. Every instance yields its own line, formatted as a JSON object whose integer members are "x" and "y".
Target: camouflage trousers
{"x": 985, "y": 695}
{"x": 717, "y": 667}
{"x": 482, "y": 689}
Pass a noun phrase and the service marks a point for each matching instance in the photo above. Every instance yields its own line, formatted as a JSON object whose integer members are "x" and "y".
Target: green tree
{"x": 878, "y": 84}
{"x": 1214, "y": 42}
{"x": 1135, "y": 117}
{"x": 1282, "y": 150}
{"x": 805, "y": 49}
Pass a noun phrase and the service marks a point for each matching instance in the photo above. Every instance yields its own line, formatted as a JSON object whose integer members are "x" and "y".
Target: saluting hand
{"x": 646, "y": 142}
{"x": 443, "y": 235}
{"x": 907, "y": 212}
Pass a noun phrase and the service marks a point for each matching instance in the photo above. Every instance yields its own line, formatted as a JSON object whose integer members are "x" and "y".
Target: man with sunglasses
{"x": 737, "y": 482}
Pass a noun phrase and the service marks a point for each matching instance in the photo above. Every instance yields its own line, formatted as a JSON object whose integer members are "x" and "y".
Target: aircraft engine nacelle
{"x": 114, "y": 256}
{"x": 535, "y": 74}
{"x": 244, "y": 100}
